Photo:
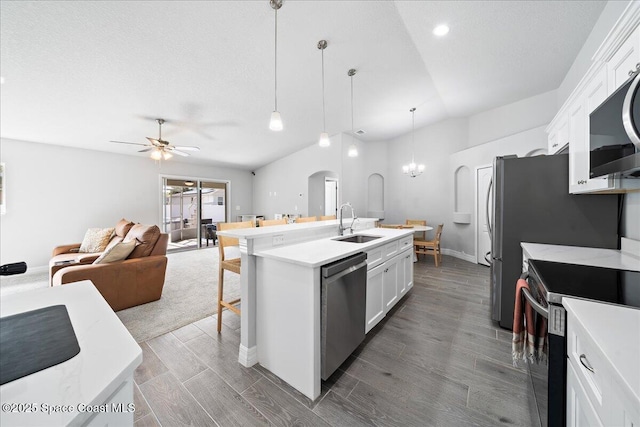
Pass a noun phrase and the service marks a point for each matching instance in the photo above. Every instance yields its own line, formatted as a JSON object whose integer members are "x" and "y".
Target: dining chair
{"x": 232, "y": 264}
{"x": 391, "y": 226}
{"x": 270, "y": 222}
{"x": 327, "y": 217}
{"x": 430, "y": 247}
{"x": 305, "y": 219}
{"x": 420, "y": 235}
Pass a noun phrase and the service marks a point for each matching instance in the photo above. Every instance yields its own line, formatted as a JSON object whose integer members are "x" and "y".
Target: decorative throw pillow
{"x": 122, "y": 227}
{"x": 117, "y": 252}
{"x": 96, "y": 240}
{"x": 146, "y": 235}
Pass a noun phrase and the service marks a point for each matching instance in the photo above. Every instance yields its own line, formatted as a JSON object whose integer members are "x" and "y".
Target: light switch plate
{"x": 278, "y": 240}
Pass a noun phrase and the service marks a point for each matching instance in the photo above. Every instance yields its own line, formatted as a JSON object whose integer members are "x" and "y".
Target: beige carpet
{"x": 189, "y": 293}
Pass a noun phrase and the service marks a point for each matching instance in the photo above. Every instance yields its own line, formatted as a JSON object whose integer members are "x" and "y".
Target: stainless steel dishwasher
{"x": 343, "y": 296}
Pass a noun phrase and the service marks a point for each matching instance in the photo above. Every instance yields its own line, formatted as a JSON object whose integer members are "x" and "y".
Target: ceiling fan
{"x": 161, "y": 149}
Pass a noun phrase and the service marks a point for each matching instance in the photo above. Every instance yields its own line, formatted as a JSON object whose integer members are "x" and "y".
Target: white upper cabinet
{"x": 559, "y": 135}
{"x": 579, "y": 150}
{"x": 624, "y": 61}
{"x": 618, "y": 55}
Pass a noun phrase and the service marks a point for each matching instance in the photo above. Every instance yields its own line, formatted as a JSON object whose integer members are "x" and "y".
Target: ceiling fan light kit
{"x": 412, "y": 169}
{"x": 275, "y": 123}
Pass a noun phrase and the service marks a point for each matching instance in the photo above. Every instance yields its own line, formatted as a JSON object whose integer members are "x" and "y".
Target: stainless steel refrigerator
{"x": 531, "y": 203}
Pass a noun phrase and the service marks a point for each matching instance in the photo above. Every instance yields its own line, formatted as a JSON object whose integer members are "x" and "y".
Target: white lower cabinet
{"x": 386, "y": 284}
{"x": 375, "y": 306}
{"x": 405, "y": 278}
{"x": 603, "y": 341}
{"x": 580, "y": 412}
{"x": 390, "y": 283}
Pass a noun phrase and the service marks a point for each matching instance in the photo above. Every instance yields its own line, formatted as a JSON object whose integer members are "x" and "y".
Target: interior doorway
{"x": 330, "y": 196}
{"x": 484, "y": 207}
{"x": 191, "y": 210}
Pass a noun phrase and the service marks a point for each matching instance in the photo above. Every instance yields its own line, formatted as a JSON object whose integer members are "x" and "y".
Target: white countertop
{"x": 255, "y": 232}
{"x": 616, "y": 330}
{"x": 108, "y": 356}
{"x": 608, "y": 258}
{"x": 323, "y": 251}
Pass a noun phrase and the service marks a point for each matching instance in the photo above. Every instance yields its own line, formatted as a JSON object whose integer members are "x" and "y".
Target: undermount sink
{"x": 357, "y": 238}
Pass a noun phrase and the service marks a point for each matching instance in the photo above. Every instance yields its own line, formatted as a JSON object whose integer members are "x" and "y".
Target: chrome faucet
{"x": 353, "y": 215}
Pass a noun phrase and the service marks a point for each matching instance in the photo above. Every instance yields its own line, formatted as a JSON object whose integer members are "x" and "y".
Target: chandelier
{"x": 412, "y": 169}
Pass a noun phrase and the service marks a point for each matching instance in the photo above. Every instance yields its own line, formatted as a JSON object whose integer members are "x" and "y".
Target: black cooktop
{"x": 583, "y": 281}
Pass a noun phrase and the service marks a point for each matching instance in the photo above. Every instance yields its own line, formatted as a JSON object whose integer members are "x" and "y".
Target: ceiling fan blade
{"x": 179, "y": 153}
{"x": 131, "y": 143}
{"x": 187, "y": 148}
{"x": 154, "y": 141}
{"x": 144, "y": 150}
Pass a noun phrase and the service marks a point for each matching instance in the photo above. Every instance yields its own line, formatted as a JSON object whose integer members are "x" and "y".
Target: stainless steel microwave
{"x": 614, "y": 133}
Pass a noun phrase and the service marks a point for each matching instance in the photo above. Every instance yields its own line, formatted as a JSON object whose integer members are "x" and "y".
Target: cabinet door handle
{"x": 386, "y": 270}
{"x": 585, "y": 363}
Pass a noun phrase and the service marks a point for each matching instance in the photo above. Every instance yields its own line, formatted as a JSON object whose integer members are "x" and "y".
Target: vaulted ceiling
{"x": 82, "y": 73}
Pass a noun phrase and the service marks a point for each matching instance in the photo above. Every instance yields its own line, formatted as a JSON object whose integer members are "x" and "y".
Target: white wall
{"x": 427, "y": 196}
{"x": 281, "y": 186}
{"x": 513, "y": 118}
{"x": 55, "y": 193}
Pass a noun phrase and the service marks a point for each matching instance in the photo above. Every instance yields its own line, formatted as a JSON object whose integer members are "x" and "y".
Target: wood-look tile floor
{"x": 437, "y": 359}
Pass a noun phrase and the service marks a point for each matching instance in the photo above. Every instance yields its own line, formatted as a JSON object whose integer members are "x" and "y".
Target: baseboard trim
{"x": 460, "y": 255}
{"x": 248, "y": 357}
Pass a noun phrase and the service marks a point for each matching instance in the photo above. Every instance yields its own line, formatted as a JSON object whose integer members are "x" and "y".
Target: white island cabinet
{"x": 603, "y": 373}
{"x": 288, "y": 300}
{"x": 95, "y": 387}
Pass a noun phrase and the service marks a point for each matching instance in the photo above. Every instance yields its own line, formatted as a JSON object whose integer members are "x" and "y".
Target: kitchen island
{"x": 301, "y": 250}
{"x": 289, "y": 298}
{"x": 95, "y": 387}
{"x": 253, "y": 240}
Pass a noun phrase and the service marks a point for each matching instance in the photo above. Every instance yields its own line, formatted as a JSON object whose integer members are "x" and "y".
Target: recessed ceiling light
{"x": 441, "y": 30}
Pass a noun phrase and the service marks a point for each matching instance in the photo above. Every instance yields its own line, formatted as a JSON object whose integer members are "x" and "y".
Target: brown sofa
{"x": 136, "y": 280}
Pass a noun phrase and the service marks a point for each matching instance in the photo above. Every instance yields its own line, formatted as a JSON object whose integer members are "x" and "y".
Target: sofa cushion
{"x": 96, "y": 239}
{"x": 117, "y": 252}
{"x": 123, "y": 226}
{"x": 146, "y": 235}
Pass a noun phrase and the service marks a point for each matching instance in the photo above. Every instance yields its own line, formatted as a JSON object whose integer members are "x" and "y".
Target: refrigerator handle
{"x": 487, "y": 208}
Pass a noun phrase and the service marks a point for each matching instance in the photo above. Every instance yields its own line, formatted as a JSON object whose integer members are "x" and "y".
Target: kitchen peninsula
{"x": 280, "y": 290}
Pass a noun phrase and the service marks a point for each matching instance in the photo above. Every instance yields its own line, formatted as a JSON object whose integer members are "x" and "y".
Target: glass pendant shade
{"x": 276, "y": 121}
{"x": 412, "y": 169}
{"x": 353, "y": 151}
{"x": 156, "y": 155}
{"x": 324, "y": 140}
{"x": 166, "y": 155}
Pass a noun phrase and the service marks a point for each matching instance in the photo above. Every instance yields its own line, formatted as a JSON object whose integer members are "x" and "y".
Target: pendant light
{"x": 353, "y": 150}
{"x": 276, "y": 121}
{"x": 324, "y": 136}
{"x": 412, "y": 169}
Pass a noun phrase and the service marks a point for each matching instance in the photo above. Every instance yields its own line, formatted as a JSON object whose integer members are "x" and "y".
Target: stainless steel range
{"x": 549, "y": 283}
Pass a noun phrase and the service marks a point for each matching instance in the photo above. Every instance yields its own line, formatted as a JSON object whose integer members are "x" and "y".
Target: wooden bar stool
{"x": 306, "y": 219}
{"x": 327, "y": 217}
{"x": 232, "y": 264}
{"x": 270, "y": 222}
